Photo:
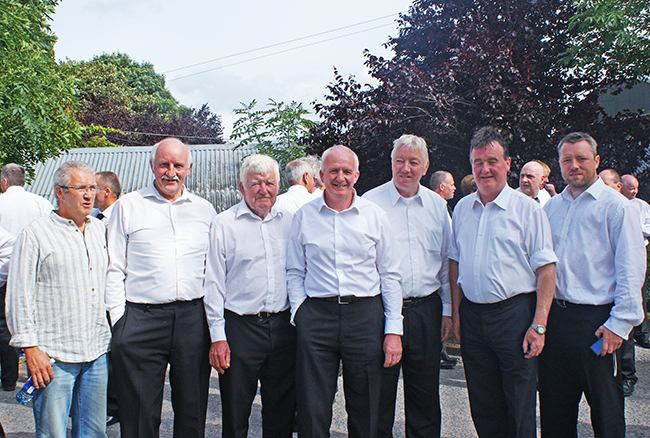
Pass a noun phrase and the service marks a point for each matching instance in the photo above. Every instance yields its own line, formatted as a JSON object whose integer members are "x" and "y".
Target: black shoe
{"x": 9, "y": 388}
{"x": 447, "y": 363}
{"x": 111, "y": 420}
{"x": 642, "y": 340}
{"x": 628, "y": 387}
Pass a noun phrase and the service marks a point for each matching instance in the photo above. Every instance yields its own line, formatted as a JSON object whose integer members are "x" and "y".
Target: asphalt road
{"x": 18, "y": 421}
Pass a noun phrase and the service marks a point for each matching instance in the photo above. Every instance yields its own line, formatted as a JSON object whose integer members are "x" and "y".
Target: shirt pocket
{"x": 504, "y": 245}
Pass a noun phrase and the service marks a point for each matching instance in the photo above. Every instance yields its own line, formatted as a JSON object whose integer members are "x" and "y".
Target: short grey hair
{"x": 439, "y": 177}
{"x": 316, "y": 165}
{"x": 258, "y": 164}
{"x": 576, "y": 137}
{"x": 63, "y": 175}
{"x": 295, "y": 169}
{"x": 154, "y": 149}
{"x": 340, "y": 146}
{"x": 14, "y": 174}
{"x": 411, "y": 143}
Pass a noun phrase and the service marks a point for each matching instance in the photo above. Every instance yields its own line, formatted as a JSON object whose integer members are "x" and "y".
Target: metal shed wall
{"x": 214, "y": 176}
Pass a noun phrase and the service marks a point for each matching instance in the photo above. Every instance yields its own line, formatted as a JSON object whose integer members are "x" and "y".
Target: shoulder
{"x": 377, "y": 193}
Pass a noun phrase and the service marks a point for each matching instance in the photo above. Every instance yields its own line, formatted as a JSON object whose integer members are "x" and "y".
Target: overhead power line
{"x": 278, "y": 52}
{"x": 281, "y": 44}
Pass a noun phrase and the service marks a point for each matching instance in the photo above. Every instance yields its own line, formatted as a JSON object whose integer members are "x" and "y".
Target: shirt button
{"x": 91, "y": 268}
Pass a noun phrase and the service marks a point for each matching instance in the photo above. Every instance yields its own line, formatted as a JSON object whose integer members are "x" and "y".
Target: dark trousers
{"x": 145, "y": 340}
{"x": 568, "y": 368}
{"x": 500, "y": 381}
{"x": 628, "y": 366}
{"x": 264, "y": 349}
{"x": 328, "y": 333}
{"x": 420, "y": 366}
{"x": 8, "y": 354}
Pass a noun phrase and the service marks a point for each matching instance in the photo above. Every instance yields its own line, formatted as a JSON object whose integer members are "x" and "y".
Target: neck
{"x": 407, "y": 193}
{"x": 336, "y": 203}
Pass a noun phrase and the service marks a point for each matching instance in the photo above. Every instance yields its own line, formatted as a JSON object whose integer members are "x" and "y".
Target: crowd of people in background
{"x": 543, "y": 291}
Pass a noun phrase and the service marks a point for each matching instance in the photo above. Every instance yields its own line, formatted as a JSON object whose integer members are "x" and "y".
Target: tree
{"x": 37, "y": 100}
{"x": 276, "y": 131}
{"x": 612, "y": 40}
{"x": 460, "y": 65}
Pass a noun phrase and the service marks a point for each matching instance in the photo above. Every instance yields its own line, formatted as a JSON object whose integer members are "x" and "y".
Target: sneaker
{"x": 628, "y": 387}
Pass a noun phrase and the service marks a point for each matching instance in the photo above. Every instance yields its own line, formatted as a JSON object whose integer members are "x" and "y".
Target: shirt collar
{"x": 65, "y": 221}
{"x": 298, "y": 188}
{"x": 353, "y": 207}
{"x": 244, "y": 210}
{"x": 151, "y": 191}
{"x": 395, "y": 195}
{"x": 502, "y": 200}
{"x": 593, "y": 190}
{"x": 15, "y": 189}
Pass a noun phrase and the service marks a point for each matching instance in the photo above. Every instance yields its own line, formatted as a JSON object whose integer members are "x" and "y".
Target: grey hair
{"x": 63, "y": 174}
{"x": 576, "y": 137}
{"x": 154, "y": 149}
{"x": 258, "y": 164}
{"x": 14, "y": 174}
{"x": 439, "y": 177}
{"x": 316, "y": 165}
{"x": 411, "y": 143}
{"x": 340, "y": 146}
{"x": 295, "y": 169}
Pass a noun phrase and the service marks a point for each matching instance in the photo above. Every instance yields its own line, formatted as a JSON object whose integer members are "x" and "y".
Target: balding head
{"x": 611, "y": 179}
{"x": 630, "y": 186}
{"x": 531, "y": 179}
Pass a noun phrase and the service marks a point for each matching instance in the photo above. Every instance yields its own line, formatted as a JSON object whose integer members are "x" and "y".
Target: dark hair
{"x": 111, "y": 181}
{"x": 484, "y": 137}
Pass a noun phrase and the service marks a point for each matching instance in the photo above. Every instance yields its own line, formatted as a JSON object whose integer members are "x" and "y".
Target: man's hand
{"x": 611, "y": 341}
{"x": 533, "y": 343}
{"x": 39, "y": 366}
{"x": 445, "y": 330}
{"x": 220, "y": 356}
{"x": 550, "y": 188}
{"x": 392, "y": 349}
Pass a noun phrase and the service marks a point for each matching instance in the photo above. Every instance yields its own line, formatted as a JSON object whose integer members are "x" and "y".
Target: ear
{"x": 58, "y": 192}
{"x": 241, "y": 188}
{"x": 597, "y": 158}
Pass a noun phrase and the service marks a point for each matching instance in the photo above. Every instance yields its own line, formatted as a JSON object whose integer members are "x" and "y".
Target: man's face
{"x": 77, "y": 204}
{"x": 490, "y": 170}
{"x": 531, "y": 179}
{"x": 170, "y": 167}
{"x": 578, "y": 165}
{"x": 260, "y": 192}
{"x": 310, "y": 182}
{"x": 101, "y": 199}
{"x": 408, "y": 169}
{"x": 448, "y": 188}
{"x": 630, "y": 187}
{"x": 339, "y": 174}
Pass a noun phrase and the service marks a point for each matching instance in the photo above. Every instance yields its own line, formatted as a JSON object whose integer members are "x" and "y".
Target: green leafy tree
{"x": 37, "y": 100}
{"x": 612, "y": 41}
{"x": 276, "y": 131}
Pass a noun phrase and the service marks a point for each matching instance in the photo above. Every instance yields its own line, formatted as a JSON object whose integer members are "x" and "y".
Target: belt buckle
{"x": 341, "y": 302}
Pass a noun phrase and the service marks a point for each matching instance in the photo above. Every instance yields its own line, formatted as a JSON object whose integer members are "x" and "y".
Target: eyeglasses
{"x": 82, "y": 189}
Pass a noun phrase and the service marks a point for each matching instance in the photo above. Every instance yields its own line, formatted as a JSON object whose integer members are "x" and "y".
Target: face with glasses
{"x": 77, "y": 198}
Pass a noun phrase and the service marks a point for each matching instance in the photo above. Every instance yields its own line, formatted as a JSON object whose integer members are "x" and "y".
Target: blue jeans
{"x": 77, "y": 390}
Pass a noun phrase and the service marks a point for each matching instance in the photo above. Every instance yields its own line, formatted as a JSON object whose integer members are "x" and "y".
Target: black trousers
{"x": 145, "y": 340}
{"x": 500, "y": 381}
{"x": 328, "y": 333}
{"x": 8, "y": 354}
{"x": 628, "y": 366}
{"x": 420, "y": 366}
{"x": 264, "y": 349}
{"x": 568, "y": 368}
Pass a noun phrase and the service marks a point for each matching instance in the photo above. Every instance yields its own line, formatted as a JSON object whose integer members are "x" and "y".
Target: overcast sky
{"x": 173, "y": 34}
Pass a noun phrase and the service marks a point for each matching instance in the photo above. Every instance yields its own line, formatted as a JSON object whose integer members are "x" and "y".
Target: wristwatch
{"x": 540, "y": 329}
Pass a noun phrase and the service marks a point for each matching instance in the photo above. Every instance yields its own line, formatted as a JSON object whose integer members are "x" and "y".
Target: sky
{"x": 172, "y": 34}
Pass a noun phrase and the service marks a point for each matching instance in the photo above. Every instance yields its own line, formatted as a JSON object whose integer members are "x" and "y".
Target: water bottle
{"x": 28, "y": 391}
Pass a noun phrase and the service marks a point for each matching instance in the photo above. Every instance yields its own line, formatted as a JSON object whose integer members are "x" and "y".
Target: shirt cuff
{"x": 618, "y": 326}
{"x": 24, "y": 340}
{"x": 446, "y": 309}
{"x": 117, "y": 313}
{"x": 218, "y": 332}
{"x": 394, "y": 326}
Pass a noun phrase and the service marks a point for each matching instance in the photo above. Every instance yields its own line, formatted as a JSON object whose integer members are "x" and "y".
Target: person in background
{"x": 8, "y": 354}
{"x": 299, "y": 174}
{"x": 19, "y": 207}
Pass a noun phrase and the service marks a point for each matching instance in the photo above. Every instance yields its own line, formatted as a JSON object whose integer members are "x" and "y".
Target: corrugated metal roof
{"x": 214, "y": 176}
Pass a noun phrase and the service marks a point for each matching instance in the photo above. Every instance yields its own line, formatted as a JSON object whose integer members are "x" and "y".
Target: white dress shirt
{"x": 294, "y": 198}
{"x": 422, "y": 233}
{"x": 644, "y": 214}
{"x": 602, "y": 258}
{"x": 55, "y": 291}
{"x": 19, "y": 207}
{"x": 543, "y": 197}
{"x": 347, "y": 253}
{"x": 6, "y": 247}
{"x": 246, "y": 265}
{"x": 157, "y": 249}
{"x": 499, "y": 246}
{"x": 106, "y": 213}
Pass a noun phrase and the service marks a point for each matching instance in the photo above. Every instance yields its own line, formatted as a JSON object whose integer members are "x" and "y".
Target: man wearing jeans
{"x": 55, "y": 308}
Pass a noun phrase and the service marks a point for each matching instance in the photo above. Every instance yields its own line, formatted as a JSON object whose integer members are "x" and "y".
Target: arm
{"x": 445, "y": 292}
{"x": 456, "y": 297}
{"x": 533, "y": 341}
{"x": 296, "y": 267}
{"x": 117, "y": 238}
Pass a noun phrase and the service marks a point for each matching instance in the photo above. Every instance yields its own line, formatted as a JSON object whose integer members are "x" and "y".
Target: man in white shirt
{"x": 299, "y": 174}
{"x": 629, "y": 189}
{"x": 420, "y": 224}
{"x": 158, "y": 243}
{"x": 247, "y": 305}
{"x": 109, "y": 191}
{"x": 531, "y": 180}
{"x": 8, "y": 354}
{"x": 55, "y": 308}
{"x": 346, "y": 300}
{"x": 502, "y": 275}
{"x": 598, "y": 241}
{"x": 19, "y": 207}
{"x": 442, "y": 183}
